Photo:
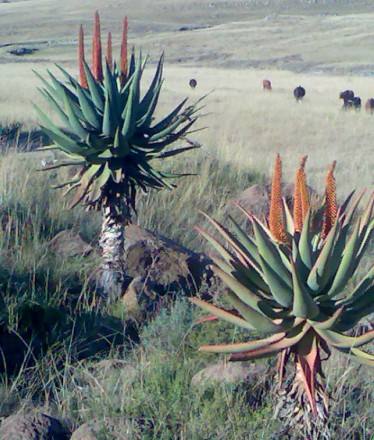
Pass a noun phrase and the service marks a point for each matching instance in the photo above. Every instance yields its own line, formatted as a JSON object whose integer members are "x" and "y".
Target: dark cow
{"x": 266, "y": 84}
{"x": 347, "y": 95}
{"x": 354, "y": 103}
{"x": 369, "y": 105}
{"x": 299, "y": 93}
{"x": 193, "y": 83}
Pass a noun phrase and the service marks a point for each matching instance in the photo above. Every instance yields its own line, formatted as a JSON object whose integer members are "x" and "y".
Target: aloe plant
{"x": 292, "y": 282}
{"x": 110, "y": 133}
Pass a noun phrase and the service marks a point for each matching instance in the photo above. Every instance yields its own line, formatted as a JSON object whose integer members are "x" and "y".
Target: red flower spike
{"x": 123, "y": 58}
{"x": 82, "y": 74}
{"x": 97, "y": 66}
{"x": 109, "y": 57}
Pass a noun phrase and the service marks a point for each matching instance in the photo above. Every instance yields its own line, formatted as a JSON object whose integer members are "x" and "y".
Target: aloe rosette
{"x": 290, "y": 282}
{"x": 111, "y": 134}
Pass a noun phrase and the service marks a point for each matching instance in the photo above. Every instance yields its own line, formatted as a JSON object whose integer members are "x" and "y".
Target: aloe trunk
{"x": 112, "y": 243}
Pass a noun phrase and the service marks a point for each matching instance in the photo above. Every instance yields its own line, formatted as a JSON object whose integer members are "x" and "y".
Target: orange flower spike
{"x": 82, "y": 73}
{"x": 330, "y": 196}
{"x": 123, "y": 61}
{"x": 109, "y": 57}
{"x": 301, "y": 196}
{"x": 276, "y": 206}
{"x": 97, "y": 66}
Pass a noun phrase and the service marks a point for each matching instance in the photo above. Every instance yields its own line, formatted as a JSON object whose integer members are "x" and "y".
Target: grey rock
{"x": 230, "y": 373}
{"x": 110, "y": 429}
{"x": 32, "y": 425}
{"x": 69, "y": 244}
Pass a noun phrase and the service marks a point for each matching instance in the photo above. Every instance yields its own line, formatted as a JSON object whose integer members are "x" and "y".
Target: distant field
{"x": 229, "y": 47}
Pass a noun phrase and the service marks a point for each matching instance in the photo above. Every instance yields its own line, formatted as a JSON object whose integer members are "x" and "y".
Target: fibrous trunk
{"x": 112, "y": 239}
{"x": 293, "y": 409}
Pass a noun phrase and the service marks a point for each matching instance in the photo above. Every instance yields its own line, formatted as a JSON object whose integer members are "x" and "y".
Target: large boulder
{"x": 32, "y": 425}
{"x": 158, "y": 267}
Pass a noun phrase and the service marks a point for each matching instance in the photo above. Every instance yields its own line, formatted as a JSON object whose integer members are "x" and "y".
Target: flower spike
{"x": 330, "y": 196}
{"x": 97, "y": 67}
{"x": 301, "y": 196}
{"x": 109, "y": 56}
{"x": 123, "y": 58}
{"x": 82, "y": 74}
{"x": 276, "y": 206}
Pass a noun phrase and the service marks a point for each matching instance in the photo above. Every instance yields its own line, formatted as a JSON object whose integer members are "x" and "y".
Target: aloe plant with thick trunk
{"x": 292, "y": 282}
{"x": 110, "y": 133}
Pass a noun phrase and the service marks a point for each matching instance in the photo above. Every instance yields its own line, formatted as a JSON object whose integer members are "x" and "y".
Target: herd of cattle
{"x": 350, "y": 101}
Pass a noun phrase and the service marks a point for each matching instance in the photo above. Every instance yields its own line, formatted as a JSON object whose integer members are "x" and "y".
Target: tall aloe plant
{"x": 110, "y": 133}
{"x": 292, "y": 282}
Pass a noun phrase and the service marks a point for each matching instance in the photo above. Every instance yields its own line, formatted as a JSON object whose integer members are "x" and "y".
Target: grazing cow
{"x": 299, "y": 93}
{"x": 266, "y": 84}
{"x": 354, "y": 103}
{"x": 193, "y": 83}
{"x": 347, "y": 95}
{"x": 369, "y": 105}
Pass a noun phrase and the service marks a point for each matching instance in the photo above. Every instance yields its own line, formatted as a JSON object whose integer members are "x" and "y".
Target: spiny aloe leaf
{"x": 74, "y": 122}
{"x": 99, "y": 183}
{"x": 338, "y": 340}
{"x": 247, "y": 243}
{"x": 317, "y": 276}
{"x": 303, "y": 304}
{"x": 329, "y": 322}
{"x": 281, "y": 292}
{"x": 216, "y": 244}
{"x": 88, "y": 109}
{"x": 361, "y": 288}
{"x": 305, "y": 242}
{"x": 269, "y": 253}
{"x": 346, "y": 266}
{"x": 242, "y": 346}
{"x": 223, "y": 314}
{"x": 164, "y": 123}
{"x": 358, "y": 356}
{"x": 244, "y": 294}
{"x": 292, "y": 338}
{"x": 290, "y": 226}
{"x": 95, "y": 88}
{"x": 260, "y": 322}
{"x": 56, "y": 107}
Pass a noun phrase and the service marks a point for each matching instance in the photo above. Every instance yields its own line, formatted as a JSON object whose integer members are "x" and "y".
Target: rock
{"x": 230, "y": 373}
{"x": 157, "y": 266}
{"x": 255, "y": 199}
{"x": 119, "y": 428}
{"x": 69, "y": 244}
{"x": 32, "y": 425}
